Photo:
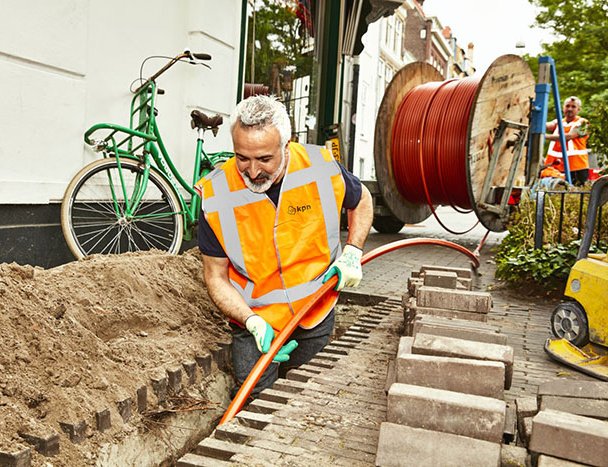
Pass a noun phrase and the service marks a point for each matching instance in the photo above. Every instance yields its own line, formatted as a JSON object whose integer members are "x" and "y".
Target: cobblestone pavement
{"x": 329, "y": 411}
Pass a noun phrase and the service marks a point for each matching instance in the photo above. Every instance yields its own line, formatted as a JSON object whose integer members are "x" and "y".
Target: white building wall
{"x": 67, "y": 64}
{"x": 365, "y": 121}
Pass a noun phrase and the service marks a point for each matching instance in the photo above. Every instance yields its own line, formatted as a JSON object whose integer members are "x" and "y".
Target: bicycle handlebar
{"x": 173, "y": 61}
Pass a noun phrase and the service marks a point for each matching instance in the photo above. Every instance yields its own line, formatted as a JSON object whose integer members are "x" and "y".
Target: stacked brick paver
{"x": 523, "y": 319}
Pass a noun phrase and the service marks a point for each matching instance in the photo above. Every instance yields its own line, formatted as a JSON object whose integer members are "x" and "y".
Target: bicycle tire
{"x": 91, "y": 224}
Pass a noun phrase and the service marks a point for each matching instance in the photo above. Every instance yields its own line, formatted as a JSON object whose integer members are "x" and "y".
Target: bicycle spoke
{"x": 97, "y": 238}
{"x": 148, "y": 237}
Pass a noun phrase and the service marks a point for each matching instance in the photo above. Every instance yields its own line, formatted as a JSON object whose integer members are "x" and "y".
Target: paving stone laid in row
{"x": 570, "y": 437}
{"x": 329, "y": 414}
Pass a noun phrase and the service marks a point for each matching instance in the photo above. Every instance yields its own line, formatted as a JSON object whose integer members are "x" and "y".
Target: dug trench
{"x": 113, "y": 360}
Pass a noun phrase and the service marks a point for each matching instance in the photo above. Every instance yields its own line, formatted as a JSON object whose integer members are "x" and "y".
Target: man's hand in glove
{"x": 347, "y": 267}
{"x": 263, "y": 334}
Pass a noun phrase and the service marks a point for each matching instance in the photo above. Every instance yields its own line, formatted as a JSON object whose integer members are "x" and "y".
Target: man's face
{"x": 260, "y": 159}
{"x": 570, "y": 110}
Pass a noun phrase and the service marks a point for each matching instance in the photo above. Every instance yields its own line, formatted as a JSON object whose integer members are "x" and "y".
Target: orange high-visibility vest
{"x": 576, "y": 149}
{"x": 278, "y": 255}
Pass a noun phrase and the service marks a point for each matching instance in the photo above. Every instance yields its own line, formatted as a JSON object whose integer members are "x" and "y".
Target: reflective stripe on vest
{"x": 571, "y": 149}
{"x": 224, "y": 201}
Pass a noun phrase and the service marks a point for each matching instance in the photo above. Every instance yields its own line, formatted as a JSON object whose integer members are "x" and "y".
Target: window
{"x": 398, "y": 37}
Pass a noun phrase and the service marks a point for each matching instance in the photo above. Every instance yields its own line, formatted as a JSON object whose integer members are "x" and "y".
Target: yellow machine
{"x": 580, "y": 324}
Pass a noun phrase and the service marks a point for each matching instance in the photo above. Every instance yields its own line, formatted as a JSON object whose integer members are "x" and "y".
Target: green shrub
{"x": 518, "y": 262}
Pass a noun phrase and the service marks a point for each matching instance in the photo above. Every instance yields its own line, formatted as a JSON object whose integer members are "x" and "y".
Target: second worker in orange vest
{"x": 270, "y": 237}
{"x": 576, "y": 135}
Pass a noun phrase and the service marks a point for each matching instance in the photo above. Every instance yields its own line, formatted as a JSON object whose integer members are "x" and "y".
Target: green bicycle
{"x": 130, "y": 200}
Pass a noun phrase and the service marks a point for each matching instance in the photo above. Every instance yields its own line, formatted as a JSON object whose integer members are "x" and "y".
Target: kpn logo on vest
{"x": 292, "y": 210}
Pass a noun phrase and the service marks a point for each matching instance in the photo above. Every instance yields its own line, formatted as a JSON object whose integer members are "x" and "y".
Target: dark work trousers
{"x": 245, "y": 353}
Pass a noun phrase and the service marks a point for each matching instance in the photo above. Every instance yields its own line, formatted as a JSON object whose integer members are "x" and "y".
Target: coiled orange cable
{"x": 429, "y": 144}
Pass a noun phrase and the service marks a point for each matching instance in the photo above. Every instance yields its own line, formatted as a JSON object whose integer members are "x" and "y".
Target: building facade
{"x": 405, "y": 37}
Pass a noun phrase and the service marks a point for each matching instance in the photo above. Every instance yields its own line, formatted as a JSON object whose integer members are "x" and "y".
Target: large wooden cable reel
{"x": 497, "y": 130}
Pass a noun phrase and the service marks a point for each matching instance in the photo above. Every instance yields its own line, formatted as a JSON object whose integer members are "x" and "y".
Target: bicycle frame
{"x": 143, "y": 133}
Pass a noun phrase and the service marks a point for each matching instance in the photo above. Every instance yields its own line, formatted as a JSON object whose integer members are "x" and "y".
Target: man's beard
{"x": 264, "y": 180}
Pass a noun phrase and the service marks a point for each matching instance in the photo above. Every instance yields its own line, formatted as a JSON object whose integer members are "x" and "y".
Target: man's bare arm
{"x": 222, "y": 292}
{"x": 360, "y": 219}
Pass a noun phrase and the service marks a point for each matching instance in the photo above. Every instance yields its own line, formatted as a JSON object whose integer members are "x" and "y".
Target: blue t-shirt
{"x": 210, "y": 245}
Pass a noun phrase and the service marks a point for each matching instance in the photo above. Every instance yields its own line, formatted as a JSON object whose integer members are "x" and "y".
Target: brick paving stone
{"x": 190, "y": 370}
{"x": 349, "y": 339}
{"x": 446, "y": 411}
{"x": 510, "y": 430}
{"x": 464, "y": 273}
{"x": 124, "y": 407}
{"x": 174, "y": 380}
{"x": 19, "y": 457}
{"x": 482, "y": 378}
{"x": 218, "y": 449}
{"x": 159, "y": 386}
{"x": 514, "y": 456}
{"x": 526, "y": 407}
{"x": 419, "y": 310}
{"x": 320, "y": 363}
{"x": 204, "y": 362}
{"x": 289, "y": 385}
{"x": 275, "y": 395}
{"x": 594, "y": 408}
{"x": 357, "y": 335}
{"x": 548, "y": 461}
{"x": 401, "y": 445}
{"x": 46, "y": 444}
{"x": 333, "y": 452}
{"x": 194, "y": 460}
{"x": 252, "y": 456}
{"x": 278, "y": 447}
{"x": 264, "y": 406}
{"x": 459, "y": 323}
{"x": 102, "y": 420}
{"x": 142, "y": 398}
{"x": 332, "y": 349}
{"x": 445, "y": 279}
{"x": 464, "y": 300}
{"x": 254, "y": 420}
{"x": 449, "y": 347}
{"x": 77, "y": 432}
{"x": 459, "y": 333}
{"x": 328, "y": 356}
{"x": 298, "y": 374}
{"x": 235, "y": 432}
{"x": 584, "y": 389}
{"x": 570, "y": 437}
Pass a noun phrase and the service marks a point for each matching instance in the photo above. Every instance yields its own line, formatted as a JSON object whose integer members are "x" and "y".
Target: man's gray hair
{"x": 576, "y": 100}
{"x": 261, "y": 112}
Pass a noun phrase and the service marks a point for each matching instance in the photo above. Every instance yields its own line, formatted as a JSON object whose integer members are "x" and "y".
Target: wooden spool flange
{"x": 504, "y": 93}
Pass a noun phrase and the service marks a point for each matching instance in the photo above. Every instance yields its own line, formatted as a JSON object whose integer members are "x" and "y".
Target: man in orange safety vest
{"x": 576, "y": 135}
{"x": 270, "y": 237}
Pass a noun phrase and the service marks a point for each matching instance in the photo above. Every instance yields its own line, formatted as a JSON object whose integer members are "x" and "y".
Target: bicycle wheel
{"x": 93, "y": 216}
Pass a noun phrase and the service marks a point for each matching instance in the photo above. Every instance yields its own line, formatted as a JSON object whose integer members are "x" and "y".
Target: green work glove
{"x": 283, "y": 353}
{"x": 263, "y": 334}
{"x": 261, "y": 331}
{"x": 347, "y": 267}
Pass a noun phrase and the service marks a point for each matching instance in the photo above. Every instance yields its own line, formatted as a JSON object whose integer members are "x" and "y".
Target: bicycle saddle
{"x": 202, "y": 121}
